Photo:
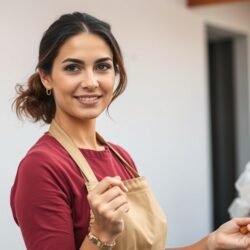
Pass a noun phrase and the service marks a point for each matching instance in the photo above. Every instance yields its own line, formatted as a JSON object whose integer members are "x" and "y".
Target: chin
{"x": 90, "y": 116}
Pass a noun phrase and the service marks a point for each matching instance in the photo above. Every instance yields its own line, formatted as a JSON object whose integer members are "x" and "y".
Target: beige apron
{"x": 145, "y": 223}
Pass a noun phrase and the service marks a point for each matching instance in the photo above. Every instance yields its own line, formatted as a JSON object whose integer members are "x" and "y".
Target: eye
{"x": 103, "y": 66}
{"x": 72, "y": 68}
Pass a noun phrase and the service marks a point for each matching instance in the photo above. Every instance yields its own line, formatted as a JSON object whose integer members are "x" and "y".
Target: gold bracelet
{"x": 99, "y": 243}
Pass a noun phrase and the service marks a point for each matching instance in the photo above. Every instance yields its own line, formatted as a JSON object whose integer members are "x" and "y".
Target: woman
{"x": 59, "y": 200}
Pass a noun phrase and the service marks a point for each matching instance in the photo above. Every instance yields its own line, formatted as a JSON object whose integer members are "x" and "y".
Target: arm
{"x": 227, "y": 236}
{"x": 200, "y": 245}
{"x": 42, "y": 206}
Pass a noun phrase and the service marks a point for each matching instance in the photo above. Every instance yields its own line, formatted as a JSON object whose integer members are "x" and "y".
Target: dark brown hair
{"x": 32, "y": 100}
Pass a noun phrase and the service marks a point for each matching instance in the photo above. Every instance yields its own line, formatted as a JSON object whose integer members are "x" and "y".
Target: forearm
{"x": 88, "y": 245}
{"x": 200, "y": 245}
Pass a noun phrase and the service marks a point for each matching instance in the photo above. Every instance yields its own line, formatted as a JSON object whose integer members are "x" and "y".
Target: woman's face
{"x": 82, "y": 77}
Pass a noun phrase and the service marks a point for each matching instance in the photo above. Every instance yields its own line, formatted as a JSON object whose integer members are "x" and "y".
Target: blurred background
{"x": 184, "y": 117}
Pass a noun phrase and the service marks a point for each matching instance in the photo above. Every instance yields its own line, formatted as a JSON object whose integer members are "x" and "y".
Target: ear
{"x": 45, "y": 79}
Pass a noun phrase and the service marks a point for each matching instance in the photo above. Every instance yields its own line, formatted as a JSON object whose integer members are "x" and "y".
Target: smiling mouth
{"x": 88, "y": 99}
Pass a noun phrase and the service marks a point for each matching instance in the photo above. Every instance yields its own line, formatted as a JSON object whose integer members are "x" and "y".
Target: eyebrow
{"x": 76, "y": 60}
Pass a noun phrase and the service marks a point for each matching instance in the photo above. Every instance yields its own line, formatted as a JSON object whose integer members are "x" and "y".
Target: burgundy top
{"x": 49, "y": 198}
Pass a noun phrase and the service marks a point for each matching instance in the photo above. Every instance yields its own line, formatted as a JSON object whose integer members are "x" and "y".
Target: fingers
{"x": 112, "y": 193}
{"x": 109, "y": 182}
{"x": 108, "y": 195}
{"x": 243, "y": 224}
{"x": 232, "y": 235}
{"x": 114, "y": 215}
{"x": 119, "y": 201}
{"x": 236, "y": 224}
{"x": 242, "y": 221}
{"x": 224, "y": 240}
{"x": 120, "y": 211}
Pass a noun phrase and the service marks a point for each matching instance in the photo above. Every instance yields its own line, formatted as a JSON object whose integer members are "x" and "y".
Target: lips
{"x": 88, "y": 99}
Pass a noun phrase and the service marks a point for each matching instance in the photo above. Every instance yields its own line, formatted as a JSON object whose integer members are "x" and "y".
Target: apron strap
{"x": 126, "y": 164}
{"x": 65, "y": 140}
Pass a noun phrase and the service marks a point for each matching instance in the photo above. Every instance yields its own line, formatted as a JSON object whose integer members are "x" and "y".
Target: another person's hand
{"x": 228, "y": 236}
{"x": 108, "y": 201}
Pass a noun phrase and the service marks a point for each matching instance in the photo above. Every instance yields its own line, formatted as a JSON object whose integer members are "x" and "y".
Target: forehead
{"x": 84, "y": 45}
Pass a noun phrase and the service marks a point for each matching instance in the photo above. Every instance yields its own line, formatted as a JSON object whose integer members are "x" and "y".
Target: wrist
{"x": 103, "y": 236}
{"x": 104, "y": 245}
{"x": 210, "y": 242}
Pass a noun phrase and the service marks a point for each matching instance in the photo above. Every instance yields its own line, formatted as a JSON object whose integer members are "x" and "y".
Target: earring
{"x": 48, "y": 91}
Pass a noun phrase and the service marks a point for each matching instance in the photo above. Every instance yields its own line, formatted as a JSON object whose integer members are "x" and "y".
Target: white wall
{"x": 162, "y": 119}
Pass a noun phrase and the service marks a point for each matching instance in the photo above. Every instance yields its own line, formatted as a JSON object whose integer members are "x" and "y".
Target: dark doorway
{"x": 223, "y": 128}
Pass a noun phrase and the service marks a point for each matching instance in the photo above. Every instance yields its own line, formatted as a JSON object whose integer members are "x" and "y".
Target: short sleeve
{"x": 42, "y": 205}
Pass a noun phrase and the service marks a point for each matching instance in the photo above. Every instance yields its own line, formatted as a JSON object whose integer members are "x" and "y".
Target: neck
{"x": 83, "y": 133}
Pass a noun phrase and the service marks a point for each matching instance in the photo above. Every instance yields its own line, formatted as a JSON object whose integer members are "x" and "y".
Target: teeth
{"x": 90, "y": 99}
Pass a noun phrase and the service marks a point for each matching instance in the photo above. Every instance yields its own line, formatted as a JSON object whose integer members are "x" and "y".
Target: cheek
{"x": 61, "y": 89}
{"x": 109, "y": 84}
{"x": 66, "y": 84}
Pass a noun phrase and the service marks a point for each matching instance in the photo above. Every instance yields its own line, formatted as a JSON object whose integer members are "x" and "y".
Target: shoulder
{"x": 44, "y": 170}
{"x": 124, "y": 153}
{"x": 46, "y": 155}
{"x": 46, "y": 145}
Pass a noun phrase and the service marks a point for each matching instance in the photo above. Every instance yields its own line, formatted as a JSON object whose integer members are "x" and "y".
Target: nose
{"x": 89, "y": 80}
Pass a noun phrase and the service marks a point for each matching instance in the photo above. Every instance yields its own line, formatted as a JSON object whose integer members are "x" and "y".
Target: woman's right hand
{"x": 108, "y": 202}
